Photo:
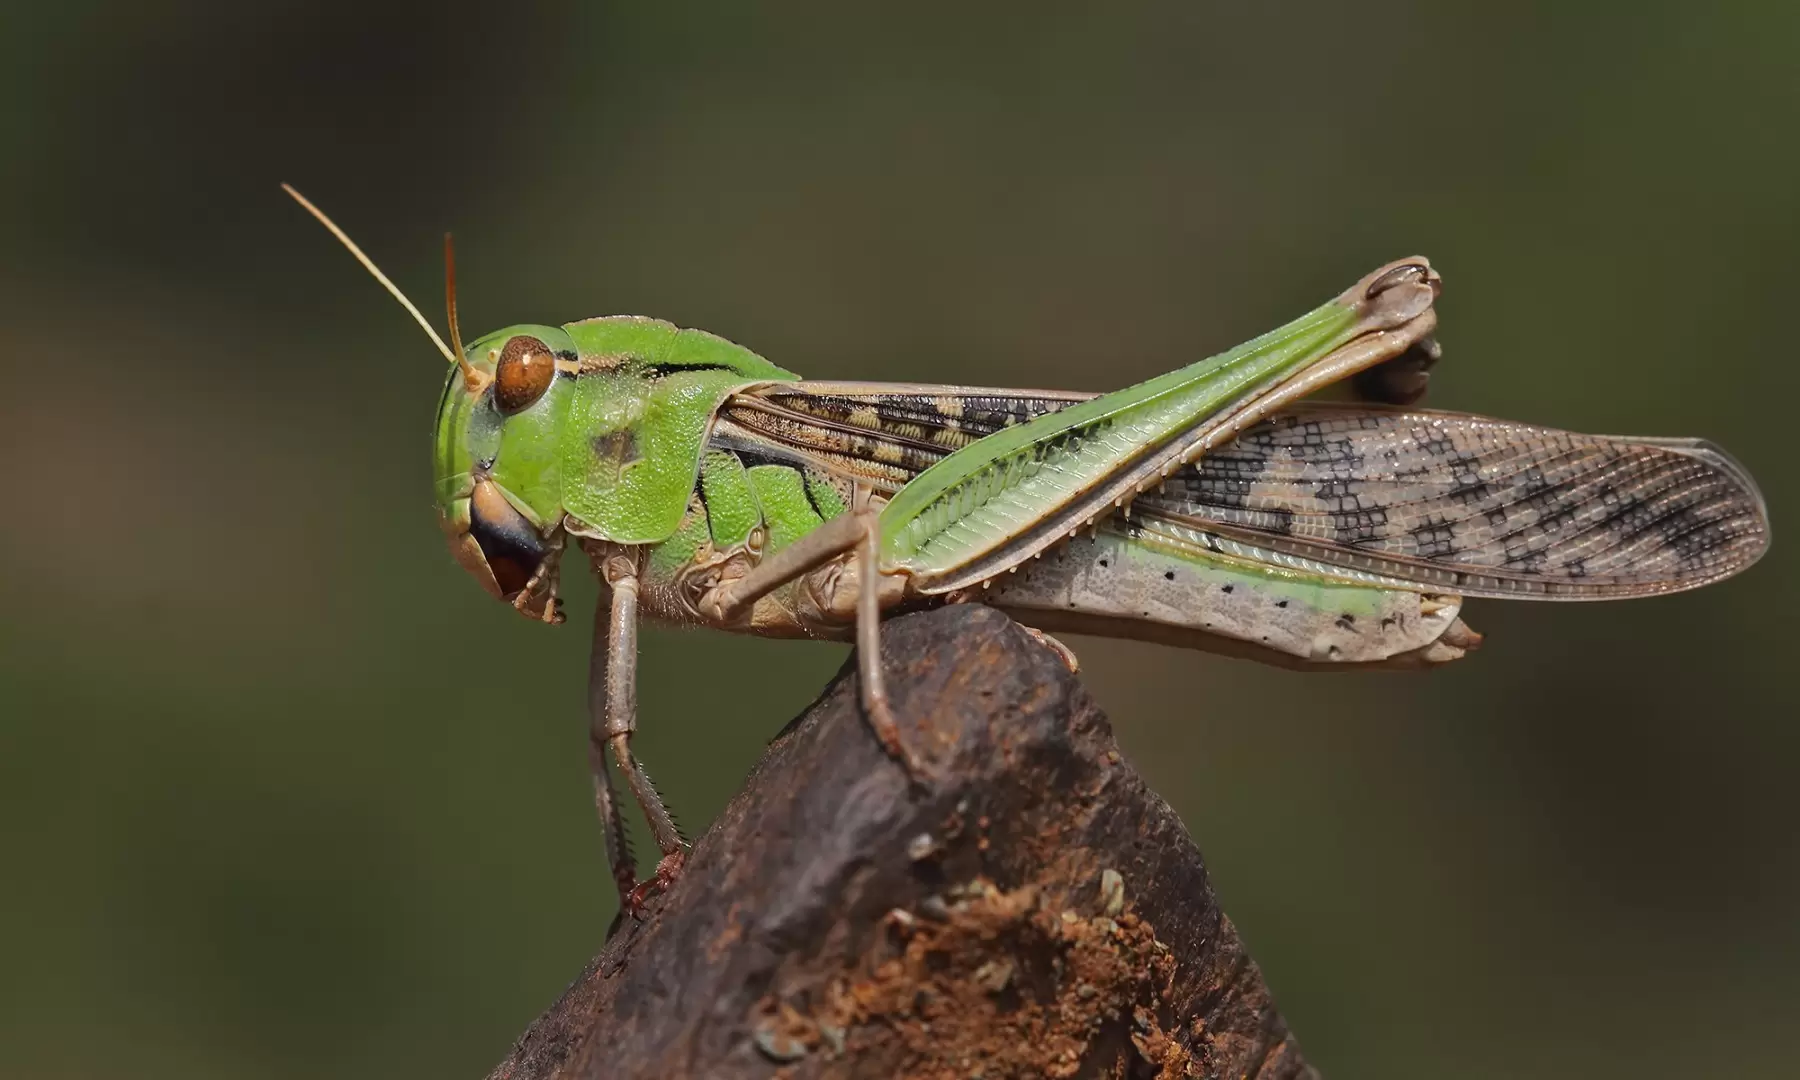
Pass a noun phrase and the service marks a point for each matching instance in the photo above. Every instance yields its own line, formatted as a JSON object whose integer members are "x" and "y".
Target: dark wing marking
{"x": 1456, "y": 503}
{"x": 1476, "y": 506}
{"x": 882, "y": 434}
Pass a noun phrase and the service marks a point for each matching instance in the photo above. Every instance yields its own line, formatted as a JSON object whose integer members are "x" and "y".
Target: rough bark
{"x": 1032, "y": 910}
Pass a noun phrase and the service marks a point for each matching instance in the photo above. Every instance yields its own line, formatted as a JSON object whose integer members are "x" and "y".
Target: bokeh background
{"x": 283, "y": 794}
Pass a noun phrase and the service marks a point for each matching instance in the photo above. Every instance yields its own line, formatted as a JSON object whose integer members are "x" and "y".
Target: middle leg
{"x": 613, "y": 720}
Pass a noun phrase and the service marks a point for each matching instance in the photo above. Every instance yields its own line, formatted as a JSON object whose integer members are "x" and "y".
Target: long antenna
{"x": 450, "y": 293}
{"x": 471, "y": 376}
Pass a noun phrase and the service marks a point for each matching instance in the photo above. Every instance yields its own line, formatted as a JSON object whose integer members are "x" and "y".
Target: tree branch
{"x": 1034, "y": 911}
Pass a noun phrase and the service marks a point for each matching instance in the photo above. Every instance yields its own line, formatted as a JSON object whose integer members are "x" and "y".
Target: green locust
{"x": 1212, "y": 507}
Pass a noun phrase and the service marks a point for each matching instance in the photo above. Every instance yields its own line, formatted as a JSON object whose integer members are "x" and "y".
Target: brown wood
{"x": 1033, "y": 911}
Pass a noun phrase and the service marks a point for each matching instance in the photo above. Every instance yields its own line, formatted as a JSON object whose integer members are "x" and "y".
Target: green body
{"x": 617, "y": 450}
{"x": 692, "y": 450}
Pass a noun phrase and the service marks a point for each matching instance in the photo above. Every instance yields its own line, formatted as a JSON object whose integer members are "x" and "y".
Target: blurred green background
{"x": 283, "y": 794}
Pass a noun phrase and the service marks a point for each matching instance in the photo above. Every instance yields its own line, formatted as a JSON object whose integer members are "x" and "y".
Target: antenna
{"x": 472, "y": 377}
{"x": 450, "y": 292}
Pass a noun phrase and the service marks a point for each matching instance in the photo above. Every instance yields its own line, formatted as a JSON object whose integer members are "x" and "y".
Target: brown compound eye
{"x": 523, "y": 373}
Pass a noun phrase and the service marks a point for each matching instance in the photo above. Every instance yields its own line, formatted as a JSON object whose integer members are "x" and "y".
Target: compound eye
{"x": 523, "y": 373}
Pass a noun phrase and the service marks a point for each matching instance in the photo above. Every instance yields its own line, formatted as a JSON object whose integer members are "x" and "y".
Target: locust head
{"x": 497, "y": 462}
{"x": 495, "y": 447}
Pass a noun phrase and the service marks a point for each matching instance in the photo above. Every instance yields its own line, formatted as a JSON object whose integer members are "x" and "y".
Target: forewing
{"x": 1471, "y": 505}
{"x": 880, "y": 434}
{"x": 1375, "y": 495}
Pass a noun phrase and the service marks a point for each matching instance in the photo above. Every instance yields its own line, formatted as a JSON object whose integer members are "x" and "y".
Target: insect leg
{"x": 857, "y": 531}
{"x": 616, "y": 719}
{"x": 868, "y": 656}
{"x": 606, "y": 804}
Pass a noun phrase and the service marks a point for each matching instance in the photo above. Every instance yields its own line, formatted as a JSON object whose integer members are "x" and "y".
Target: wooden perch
{"x": 1033, "y": 911}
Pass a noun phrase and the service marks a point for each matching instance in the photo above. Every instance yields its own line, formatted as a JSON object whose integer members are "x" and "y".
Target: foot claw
{"x": 667, "y": 872}
{"x": 887, "y": 733}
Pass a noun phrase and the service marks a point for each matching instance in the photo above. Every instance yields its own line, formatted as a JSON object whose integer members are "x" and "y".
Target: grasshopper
{"x": 1211, "y": 506}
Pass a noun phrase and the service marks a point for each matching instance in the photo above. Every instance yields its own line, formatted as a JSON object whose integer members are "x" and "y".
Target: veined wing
{"x": 1389, "y": 497}
{"x": 1471, "y": 505}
